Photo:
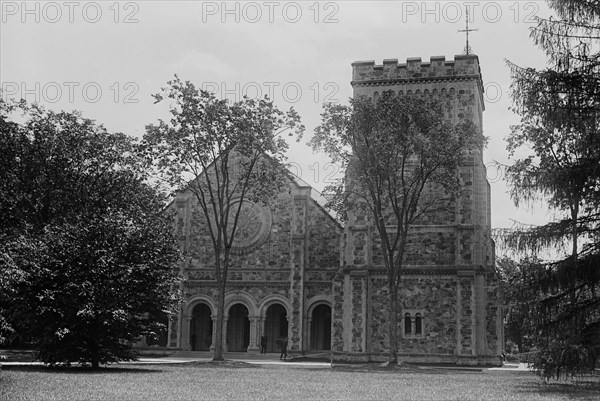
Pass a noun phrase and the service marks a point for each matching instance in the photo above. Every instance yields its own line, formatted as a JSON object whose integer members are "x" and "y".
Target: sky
{"x": 107, "y": 58}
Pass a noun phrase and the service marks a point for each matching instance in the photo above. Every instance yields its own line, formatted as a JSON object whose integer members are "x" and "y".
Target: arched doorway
{"x": 201, "y": 328}
{"x": 238, "y": 329}
{"x": 276, "y": 326}
{"x": 320, "y": 328}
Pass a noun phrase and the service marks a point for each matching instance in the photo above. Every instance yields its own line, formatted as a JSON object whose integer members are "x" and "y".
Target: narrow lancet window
{"x": 407, "y": 324}
{"x": 418, "y": 324}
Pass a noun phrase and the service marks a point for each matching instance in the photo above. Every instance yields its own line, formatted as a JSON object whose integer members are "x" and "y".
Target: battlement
{"x": 464, "y": 66}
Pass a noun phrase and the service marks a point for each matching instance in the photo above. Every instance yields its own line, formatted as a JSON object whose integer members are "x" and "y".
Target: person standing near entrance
{"x": 263, "y": 344}
{"x": 284, "y": 344}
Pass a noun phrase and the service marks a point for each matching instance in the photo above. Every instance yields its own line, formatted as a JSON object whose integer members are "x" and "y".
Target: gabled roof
{"x": 316, "y": 196}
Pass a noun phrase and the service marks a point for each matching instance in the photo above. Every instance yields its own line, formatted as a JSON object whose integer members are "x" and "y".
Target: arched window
{"x": 418, "y": 324}
{"x": 407, "y": 324}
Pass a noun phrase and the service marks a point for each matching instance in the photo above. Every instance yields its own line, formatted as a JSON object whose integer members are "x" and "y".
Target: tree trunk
{"x": 222, "y": 285}
{"x": 393, "y": 321}
{"x": 221, "y": 277}
{"x": 95, "y": 364}
{"x": 575, "y": 236}
{"x": 574, "y": 252}
{"x": 218, "y": 340}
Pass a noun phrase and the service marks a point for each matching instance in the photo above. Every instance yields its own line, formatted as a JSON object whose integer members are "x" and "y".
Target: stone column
{"x": 309, "y": 344}
{"x": 214, "y": 333}
{"x": 261, "y": 330}
{"x": 300, "y": 236}
{"x": 185, "y": 333}
{"x": 254, "y": 347}
{"x": 466, "y": 313}
{"x": 225, "y": 319}
{"x": 179, "y": 328}
{"x": 288, "y": 320}
{"x": 480, "y": 302}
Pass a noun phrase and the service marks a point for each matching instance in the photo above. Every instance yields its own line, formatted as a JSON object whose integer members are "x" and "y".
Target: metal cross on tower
{"x": 467, "y": 30}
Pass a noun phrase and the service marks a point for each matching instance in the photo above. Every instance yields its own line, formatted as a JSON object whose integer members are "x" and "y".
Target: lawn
{"x": 240, "y": 381}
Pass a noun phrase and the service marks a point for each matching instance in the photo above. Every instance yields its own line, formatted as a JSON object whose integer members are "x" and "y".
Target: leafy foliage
{"x": 564, "y": 360}
{"x": 571, "y": 40}
{"x": 11, "y": 275}
{"x": 399, "y": 154}
{"x": 223, "y": 154}
{"x": 517, "y": 294}
{"x": 95, "y": 288}
{"x": 86, "y": 252}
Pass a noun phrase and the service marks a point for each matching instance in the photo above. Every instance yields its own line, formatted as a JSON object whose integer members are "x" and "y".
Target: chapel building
{"x": 298, "y": 273}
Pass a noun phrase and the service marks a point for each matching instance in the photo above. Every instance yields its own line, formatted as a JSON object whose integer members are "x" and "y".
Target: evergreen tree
{"x": 560, "y": 122}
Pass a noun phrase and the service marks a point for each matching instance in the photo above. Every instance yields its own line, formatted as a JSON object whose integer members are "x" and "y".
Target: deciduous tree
{"x": 85, "y": 249}
{"x": 223, "y": 153}
{"x": 399, "y": 154}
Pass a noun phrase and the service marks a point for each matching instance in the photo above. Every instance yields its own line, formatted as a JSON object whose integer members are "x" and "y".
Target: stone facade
{"x": 449, "y": 293}
{"x": 288, "y": 262}
{"x": 297, "y": 273}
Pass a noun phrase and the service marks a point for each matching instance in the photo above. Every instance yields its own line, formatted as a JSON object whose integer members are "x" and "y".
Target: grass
{"x": 241, "y": 381}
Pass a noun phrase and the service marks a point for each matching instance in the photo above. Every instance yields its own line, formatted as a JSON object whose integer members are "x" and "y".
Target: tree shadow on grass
{"x": 222, "y": 364}
{"x": 584, "y": 388}
{"x": 80, "y": 370}
{"x": 404, "y": 368}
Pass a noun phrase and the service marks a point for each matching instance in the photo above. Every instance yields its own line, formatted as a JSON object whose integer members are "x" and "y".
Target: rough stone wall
{"x": 302, "y": 246}
{"x": 338, "y": 312}
{"x": 435, "y": 296}
{"x": 258, "y": 293}
{"x": 378, "y": 314}
{"x": 324, "y": 234}
{"x": 358, "y": 286}
{"x": 493, "y": 329}
{"x": 466, "y": 316}
{"x": 426, "y": 248}
{"x": 456, "y": 82}
{"x": 289, "y": 217}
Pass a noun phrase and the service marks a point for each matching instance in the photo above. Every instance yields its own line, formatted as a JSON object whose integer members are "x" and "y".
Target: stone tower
{"x": 449, "y": 295}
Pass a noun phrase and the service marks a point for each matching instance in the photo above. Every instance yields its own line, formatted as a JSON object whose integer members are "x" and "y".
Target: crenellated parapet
{"x": 438, "y": 68}
{"x": 458, "y": 82}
